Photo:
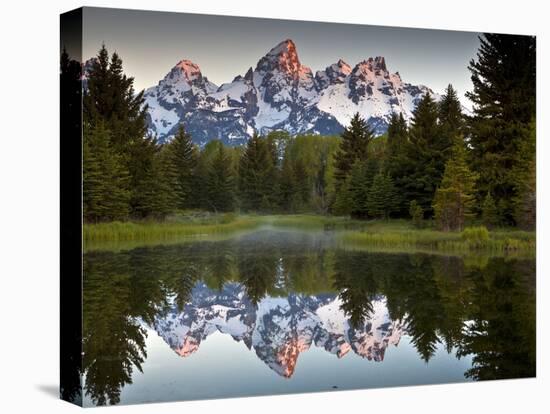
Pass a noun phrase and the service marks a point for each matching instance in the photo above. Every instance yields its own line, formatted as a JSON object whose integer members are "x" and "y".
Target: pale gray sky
{"x": 151, "y": 43}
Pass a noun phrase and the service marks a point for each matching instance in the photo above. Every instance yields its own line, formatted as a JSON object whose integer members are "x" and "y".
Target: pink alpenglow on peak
{"x": 190, "y": 70}
{"x": 286, "y": 47}
{"x": 343, "y": 66}
{"x": 190, "y": 345}
{"x": 282, "y": 57}
{"x": 377, "y": 64}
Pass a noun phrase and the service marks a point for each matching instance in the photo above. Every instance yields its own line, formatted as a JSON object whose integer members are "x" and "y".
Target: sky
{"x": 151, "y": 43}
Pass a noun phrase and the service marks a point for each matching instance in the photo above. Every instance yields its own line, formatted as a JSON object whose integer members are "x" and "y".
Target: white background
{"x": 29, "y": 206}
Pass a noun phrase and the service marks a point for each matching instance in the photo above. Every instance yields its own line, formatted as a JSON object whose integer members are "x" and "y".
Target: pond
{"x": 284, "y": 311}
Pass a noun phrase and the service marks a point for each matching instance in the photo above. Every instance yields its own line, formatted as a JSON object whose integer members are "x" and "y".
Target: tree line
{"x": 444, "y": 164}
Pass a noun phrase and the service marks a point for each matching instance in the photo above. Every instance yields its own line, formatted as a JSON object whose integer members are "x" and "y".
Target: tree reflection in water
{"x": 484, "y": 308}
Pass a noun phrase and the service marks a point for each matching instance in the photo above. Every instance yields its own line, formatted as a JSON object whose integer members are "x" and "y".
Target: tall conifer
{"x": 504, "y": 97}
{"x": 221, "y": 182}
{"x": 454, "y": 200}
{"x": 353, "y": 147}
{"x": 424, "y": 161}
{"x": 105, "y": 182}
{"x": 257, "y": 175}
{"x": 183, "y": 156}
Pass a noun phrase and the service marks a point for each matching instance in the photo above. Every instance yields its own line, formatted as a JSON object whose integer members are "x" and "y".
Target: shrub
{"x": 475, "y": 237}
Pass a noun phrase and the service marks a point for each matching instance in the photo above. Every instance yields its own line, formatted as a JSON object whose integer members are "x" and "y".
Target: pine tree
{"x": 154, "y": 196}
{"x": 489, "y": 212}
{"x": 526, "y": 201}
{"x": 397, "y": 135}
{"x": 105, "y": 180}
{"x": 376, "y": 201}
{"x": 424, "y": 161}
{"x": 454, "y": 200}
{"x": 343, "y": 202}
{"x": 140, "y": 161}
{"x": 221, "y": 182}
{"x": 525, "y": 185}
{"x": 110, "y": 98}
{"x": 359, "y": 185}
{"x": 396, "y": 158}
{"x": 287, "y": 186}
{"x": 275, "y": 144}
{"x": 183, "y": 157}
{"x": 451, "y": 120}
{"x": 353, "y": 147}
{"x": 152, "y": 184}
{"x": 92, "y": 184}
{"x": 450, "y": 113}
{"x": 199, "y": 179}
{"x": 320, "y": 186}
{"x": 257, "y": 176}
{"x": 302, "y": 184}
{"x": 382, "y": 197}
{"x": 504, "y": 100}
{"x": 167, "y": 174}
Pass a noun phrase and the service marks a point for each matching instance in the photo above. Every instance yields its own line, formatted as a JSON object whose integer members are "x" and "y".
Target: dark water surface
{"x": 286, "y": 311}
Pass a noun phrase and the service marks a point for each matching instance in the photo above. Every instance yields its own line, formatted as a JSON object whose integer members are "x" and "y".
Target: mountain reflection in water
{"x": 277, "y": 329}
{"x": 282, "y": 293}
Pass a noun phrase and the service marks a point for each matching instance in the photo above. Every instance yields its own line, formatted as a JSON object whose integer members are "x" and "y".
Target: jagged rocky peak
{"x": 379, "y": 63}
{"x": 282, "y": 57}
{"x": 249, "y": 74}
{"x": 333, "y": 74}
{"x": 186, "y": 72}
{"x": 189, "y": 70}
{"x": 342, "y": 67}
{"x": 375, "y": 65}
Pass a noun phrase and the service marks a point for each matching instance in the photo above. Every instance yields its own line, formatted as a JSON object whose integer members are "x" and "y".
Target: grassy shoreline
{"x": 499, "y": 242}
{"x": 153, "y": 230}
{"x": 394, "y": 235}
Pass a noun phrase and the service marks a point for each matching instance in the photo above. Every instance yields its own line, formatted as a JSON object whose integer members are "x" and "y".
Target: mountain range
{"x": 280, "y": 93}
{"x": 277, "y": 329}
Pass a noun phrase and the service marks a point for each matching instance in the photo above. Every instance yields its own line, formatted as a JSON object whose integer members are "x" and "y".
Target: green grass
{"x": 391, "y": 235}
{"x": 171, "y": 229}
{"x": 399, "y": 235}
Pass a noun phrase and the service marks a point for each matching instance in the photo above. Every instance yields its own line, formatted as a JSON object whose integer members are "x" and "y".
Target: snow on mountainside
{"x": 280, "y": 93}
{"x": 278, "y": 329}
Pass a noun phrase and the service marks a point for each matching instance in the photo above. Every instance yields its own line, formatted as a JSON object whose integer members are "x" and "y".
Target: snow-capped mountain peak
{"x": 280, "y": 93}
{"x": 371, "y": 68}
{"x": 335, "y": 73}
{"x": 186, "y": 74}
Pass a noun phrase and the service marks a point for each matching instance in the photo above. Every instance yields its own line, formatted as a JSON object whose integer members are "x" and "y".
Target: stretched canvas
{"x": 257, "y": 206}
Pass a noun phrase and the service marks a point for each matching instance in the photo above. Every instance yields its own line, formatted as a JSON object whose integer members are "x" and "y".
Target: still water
{"x": 287, "y": 311}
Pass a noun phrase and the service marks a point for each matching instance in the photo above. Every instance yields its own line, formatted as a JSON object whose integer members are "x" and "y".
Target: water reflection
{"x": 280, "y": 293}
